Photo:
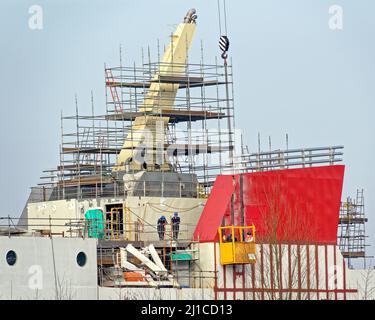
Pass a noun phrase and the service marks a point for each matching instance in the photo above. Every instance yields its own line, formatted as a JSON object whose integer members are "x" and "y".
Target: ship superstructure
{"x": 250, "y": 223}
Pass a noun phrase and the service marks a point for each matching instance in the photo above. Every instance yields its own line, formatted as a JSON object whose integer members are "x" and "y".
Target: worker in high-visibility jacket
{"x": 249, "y": 237}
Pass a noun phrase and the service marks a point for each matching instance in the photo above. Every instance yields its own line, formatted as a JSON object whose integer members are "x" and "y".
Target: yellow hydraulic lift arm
{"x": 161, "y": 95}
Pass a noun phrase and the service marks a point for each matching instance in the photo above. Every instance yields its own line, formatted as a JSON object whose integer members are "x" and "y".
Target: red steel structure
{"x": 288, "y": 206}
{"x": 296, "y": 214}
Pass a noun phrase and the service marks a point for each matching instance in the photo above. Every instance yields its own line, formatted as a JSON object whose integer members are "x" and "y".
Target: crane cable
{"x": 218, "y": 10}
{"x": 225, "y": 17}
{"x": 223, "y": 41}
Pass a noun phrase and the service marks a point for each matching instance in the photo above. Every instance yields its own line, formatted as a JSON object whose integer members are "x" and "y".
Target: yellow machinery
{"x": 150, "y": 129}
{"x": 237, "y": 244}
{"x": 127, "y": 224}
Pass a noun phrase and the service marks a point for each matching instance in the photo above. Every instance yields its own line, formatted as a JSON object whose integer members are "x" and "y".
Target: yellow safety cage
{"x": 237, "y": 244}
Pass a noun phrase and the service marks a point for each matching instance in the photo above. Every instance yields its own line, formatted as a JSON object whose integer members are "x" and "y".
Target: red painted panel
{"x": 292, "y": 205}
{"x": 214, "y": 210}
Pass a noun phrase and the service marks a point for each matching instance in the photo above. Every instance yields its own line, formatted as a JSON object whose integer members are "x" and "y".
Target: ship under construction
{"x": 252, "y": 226}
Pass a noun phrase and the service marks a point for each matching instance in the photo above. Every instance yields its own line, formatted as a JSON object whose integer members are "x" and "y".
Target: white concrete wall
{"x": 33, "y": 275}
{"x": 147, "y": 209}
{"x": 42, "y": 262}
{"x": 39, "y": 213}
{"x": 205, "y": 264}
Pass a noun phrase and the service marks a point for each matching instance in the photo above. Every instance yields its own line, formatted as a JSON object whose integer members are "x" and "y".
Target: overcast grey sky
{"x": 292, "y": 73}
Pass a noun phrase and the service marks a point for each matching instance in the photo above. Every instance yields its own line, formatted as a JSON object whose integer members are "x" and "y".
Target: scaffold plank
{"x": 174, "y": 115}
